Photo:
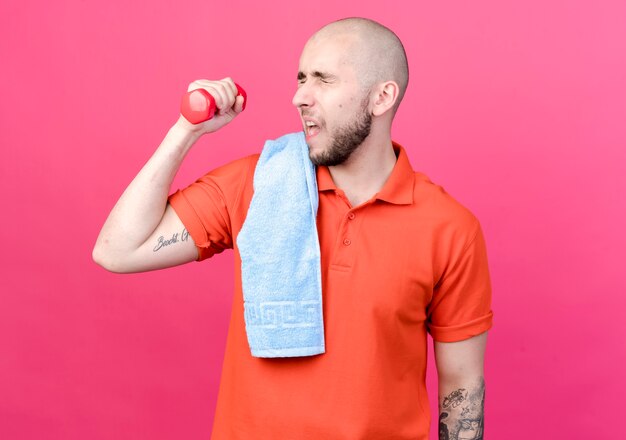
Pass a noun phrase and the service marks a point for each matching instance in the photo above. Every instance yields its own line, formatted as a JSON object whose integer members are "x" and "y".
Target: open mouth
{"x": 311, "y": 128}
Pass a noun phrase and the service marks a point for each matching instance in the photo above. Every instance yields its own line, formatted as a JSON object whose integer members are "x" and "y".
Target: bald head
{"x": 376, "y": 53}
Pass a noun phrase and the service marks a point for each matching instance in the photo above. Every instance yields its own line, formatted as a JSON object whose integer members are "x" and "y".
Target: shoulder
{"x": 247, "y": 164}
{"x": 447, "y": 215}
{"x": 223, "y": 183}
{"x": 240, "y": 166}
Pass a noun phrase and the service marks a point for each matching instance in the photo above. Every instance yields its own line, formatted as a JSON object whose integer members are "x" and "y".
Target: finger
{"x": 228, "y": 98}
{"x": 238, "y": 107}
{"x": 221, "y": 98}
{"x": 230, "y": 91}
{"x": 198, "y": 84}
{"x": 231, "y": 84}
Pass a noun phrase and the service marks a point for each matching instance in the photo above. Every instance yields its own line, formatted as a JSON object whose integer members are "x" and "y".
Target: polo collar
{"x": 398, "y": 188}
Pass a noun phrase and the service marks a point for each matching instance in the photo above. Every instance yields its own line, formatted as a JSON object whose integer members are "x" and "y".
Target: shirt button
{"x": 347, "y": 242}
{"x": 351, "y": 216}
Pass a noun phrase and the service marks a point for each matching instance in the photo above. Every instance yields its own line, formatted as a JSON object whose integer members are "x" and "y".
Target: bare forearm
{"x": 461, "y": 408}
{"x": 141, "y": 206}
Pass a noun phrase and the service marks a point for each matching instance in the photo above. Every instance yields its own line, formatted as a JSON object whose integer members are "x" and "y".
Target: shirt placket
{"x": 346, "y": 244}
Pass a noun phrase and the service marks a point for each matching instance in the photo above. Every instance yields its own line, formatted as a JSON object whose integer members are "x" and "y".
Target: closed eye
{"x": 324, "y": 77}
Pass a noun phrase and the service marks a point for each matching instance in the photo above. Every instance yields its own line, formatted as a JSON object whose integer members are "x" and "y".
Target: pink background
{"x": 517, "y": 108}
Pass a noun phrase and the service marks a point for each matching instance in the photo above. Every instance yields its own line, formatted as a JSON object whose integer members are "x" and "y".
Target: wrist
{"x": 186, "y": 129}
{"x": 183, "y": 135}
{"x": 178, "y": 141}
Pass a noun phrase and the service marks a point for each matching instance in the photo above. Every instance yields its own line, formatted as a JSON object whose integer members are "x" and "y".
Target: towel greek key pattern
{"x": 289, "y": 314}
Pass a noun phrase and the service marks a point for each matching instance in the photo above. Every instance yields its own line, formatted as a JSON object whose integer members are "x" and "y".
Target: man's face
{"x": 333, "y": 108}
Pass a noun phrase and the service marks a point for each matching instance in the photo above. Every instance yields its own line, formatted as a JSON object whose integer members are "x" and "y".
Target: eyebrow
{"x": 316, "y": 74}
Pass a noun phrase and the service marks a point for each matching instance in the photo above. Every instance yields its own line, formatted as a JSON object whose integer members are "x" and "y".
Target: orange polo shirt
{"x": 410, "y": 260}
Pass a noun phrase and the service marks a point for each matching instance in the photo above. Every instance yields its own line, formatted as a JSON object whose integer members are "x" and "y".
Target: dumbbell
{"x": 198, "y": 105}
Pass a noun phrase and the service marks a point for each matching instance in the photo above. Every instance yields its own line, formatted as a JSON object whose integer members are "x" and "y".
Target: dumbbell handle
{"x": 198, "y": 105}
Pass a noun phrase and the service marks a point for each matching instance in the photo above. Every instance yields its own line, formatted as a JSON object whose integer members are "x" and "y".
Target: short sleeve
{"x": 461, "y": 303}
{"x": 205, "y": 207}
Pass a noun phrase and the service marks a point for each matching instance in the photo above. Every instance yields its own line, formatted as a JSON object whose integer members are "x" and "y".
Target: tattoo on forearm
{"x": 461, "y": 413}
{"x": 176, "y": 238}
{"x": 455, "y": 398}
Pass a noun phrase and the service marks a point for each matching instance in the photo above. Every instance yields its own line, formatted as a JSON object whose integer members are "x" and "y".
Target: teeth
{"x": 311, "y": 128}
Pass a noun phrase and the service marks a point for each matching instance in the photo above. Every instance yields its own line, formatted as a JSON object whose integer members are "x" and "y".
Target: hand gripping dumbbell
{"x": 198, "y": 105}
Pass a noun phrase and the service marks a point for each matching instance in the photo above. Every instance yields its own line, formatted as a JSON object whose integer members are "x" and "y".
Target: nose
{"x": 303, "y": 96}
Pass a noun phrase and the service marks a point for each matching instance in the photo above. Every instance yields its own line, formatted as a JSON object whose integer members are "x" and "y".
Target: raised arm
{"x": 143, "y": 232}
{"x": 461, "y": 388}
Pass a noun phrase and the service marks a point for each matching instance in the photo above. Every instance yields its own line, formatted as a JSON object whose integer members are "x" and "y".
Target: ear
{"x": 385, "y": 96}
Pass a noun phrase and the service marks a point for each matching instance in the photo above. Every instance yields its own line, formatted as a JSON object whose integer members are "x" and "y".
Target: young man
{"x": 399, "y": 258}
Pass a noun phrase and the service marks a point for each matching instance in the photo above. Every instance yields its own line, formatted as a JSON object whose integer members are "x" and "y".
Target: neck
{"x": 367, "y": 169}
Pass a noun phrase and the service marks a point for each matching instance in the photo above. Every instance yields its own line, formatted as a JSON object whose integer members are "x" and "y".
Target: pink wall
{"x": 516, "y": 108}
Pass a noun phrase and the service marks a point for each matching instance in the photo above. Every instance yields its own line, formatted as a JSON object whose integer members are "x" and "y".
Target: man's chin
{"x": 316, "y": 153}
{"x": 324, "y": 159}
{"x": 323, "y": 155}
{"x": 316, "y": 159}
